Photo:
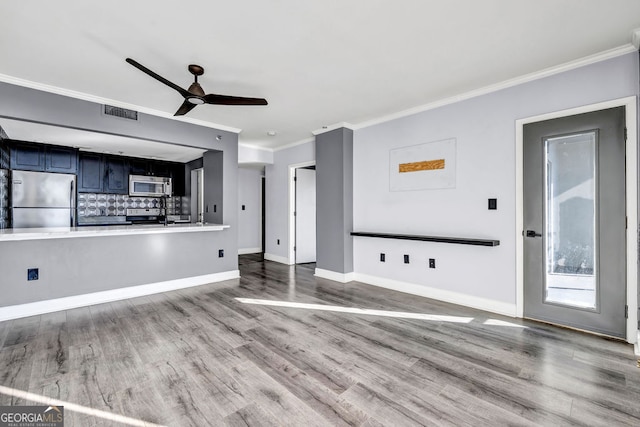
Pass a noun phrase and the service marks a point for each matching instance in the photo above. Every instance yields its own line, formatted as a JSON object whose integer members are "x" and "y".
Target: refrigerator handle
{"x": 72, "y": 204}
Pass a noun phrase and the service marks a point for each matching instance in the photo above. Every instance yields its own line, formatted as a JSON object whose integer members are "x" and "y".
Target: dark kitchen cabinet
{"x": 60, "y": 159}
{"x": 28, "y": 157}
{"x": 91, "y": 173}
{"x": 160, "y": 168}
{"x": 149, "y": 167}
{"x": 41, "y": 158}
{"x": 139, "y": 167}
{"x": 99, "y": 173}
{"x": 116, "y": 175}
{"x": 178, "y": 179}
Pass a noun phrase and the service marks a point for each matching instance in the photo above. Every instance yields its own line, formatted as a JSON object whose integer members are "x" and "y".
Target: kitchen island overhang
{"x": 82, "y": 266}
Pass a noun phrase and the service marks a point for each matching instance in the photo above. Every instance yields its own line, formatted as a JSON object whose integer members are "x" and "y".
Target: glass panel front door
{"x": 574, "y": 233}
{"x": 570, "y": 196}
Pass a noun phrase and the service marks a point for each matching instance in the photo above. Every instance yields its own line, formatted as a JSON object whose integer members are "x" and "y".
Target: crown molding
{"x": 255, "y": 147}
{"x": 100, "y": 100}
{"x": 294, "y": 144}
{"x": 334, "y": 126}
{"x": 635, "y": 38}
{"x": 588, "y": 60}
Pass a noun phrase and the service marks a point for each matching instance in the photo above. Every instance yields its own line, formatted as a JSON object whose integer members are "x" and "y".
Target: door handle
{"x": 531, "y": 233}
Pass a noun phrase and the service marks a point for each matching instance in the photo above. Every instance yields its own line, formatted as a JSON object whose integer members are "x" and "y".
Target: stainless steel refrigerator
{"x": 40, "y": 199}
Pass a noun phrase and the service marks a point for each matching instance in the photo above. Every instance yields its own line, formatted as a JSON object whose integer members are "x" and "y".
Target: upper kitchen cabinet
{"x": 40, "y": 158}
{"x": 91, "y": 173}
{"x": 25, "y": 156}
{"x": 149, "y": 167}
{"x": 60, "y": 159}
{"x": 160, "y": 168}
{"x": 116, "y": 175}
{"x": 99, "y": 173}
{"x": 139, "y": 166}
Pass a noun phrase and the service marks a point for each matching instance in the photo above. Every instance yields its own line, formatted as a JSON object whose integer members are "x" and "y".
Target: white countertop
{"x": 14, "y": 234}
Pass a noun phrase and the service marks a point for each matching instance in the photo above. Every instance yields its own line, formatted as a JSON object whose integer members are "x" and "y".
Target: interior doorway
{"x": 302, "y": 213}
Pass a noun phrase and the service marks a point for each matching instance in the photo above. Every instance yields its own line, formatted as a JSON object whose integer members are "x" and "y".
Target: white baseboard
{"x": 67, "y": 303}
{"x": 336, "y": 277}
{"x": 246, "y": 251}
{"x": 277, "y": 258}
{"x": 485, "y": 304}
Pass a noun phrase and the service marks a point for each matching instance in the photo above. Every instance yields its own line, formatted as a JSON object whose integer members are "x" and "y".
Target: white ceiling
{"x": 317, "y": 63}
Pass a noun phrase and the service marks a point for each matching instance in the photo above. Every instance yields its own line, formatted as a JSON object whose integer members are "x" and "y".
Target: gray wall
{"x": 29, "y": 104}
{"x": 213, "y": 187}
{"x": 484, "y": 128}
{"x": 277, "y": 198}
{"x": 334, "y": 200}
{"x": 84, "y": 265}
{"x": 249, "y": 219}
{"x": 81, "y": 265}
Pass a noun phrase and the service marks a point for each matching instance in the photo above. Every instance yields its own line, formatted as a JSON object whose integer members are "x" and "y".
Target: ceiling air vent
{"x": 110, "y": 110}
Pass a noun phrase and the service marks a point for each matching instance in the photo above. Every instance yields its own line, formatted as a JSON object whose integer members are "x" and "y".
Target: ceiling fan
{"x": 195, "y": 95}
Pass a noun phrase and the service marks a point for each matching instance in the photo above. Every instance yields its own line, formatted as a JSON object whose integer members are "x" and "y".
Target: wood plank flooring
{"x": 199, "y": 357}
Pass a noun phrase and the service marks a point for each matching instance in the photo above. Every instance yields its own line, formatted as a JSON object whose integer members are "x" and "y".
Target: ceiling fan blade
{"x": 184, "y": 108}
{"x": 212, "y": 98}
{"x": 158, "y": 77}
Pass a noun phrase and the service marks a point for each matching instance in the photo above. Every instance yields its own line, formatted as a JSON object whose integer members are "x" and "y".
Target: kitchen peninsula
{"x": 45, "y": 270}
{"x": 15, "y": 234}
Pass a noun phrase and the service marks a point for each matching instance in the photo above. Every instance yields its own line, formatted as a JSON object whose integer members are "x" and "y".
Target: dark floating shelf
{"x": 454, "y": 240}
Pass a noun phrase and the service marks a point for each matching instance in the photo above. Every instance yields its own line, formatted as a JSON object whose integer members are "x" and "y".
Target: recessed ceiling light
{"x": 272, "y": 133}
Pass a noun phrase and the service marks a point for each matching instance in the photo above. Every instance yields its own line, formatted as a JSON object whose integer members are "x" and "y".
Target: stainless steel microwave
{"x": 149, "y": 186}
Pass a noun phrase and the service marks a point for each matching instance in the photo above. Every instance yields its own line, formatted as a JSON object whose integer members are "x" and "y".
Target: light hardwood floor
{"x": 202, "y": 357}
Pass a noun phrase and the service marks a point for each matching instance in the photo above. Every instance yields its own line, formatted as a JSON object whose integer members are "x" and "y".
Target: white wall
{"x": 277, "y": 199}
{"x": 253, "y": 155}
{"x": 249, "y": 219}
{"x": 484, "y": 128}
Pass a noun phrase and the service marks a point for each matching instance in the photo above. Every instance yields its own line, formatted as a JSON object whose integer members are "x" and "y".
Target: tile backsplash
{"x": 4, "y": 198}
{"x": 97, "y": 204}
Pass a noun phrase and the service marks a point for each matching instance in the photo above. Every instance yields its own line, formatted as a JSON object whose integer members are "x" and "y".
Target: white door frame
{"x": 631, "y": 196}
{"x": 292, "y": 208}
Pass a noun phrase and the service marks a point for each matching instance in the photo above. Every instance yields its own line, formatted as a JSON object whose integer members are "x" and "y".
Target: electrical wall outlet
{"x": 382, "y": 257}
{"x": 278, "y": 241}
{"x": 32, "y": 274}
{"x": 406, "y": 259}
{"x": 432, "y": 263}
{"x": 493, "y": 204}
{"x": 220, "y": 253}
